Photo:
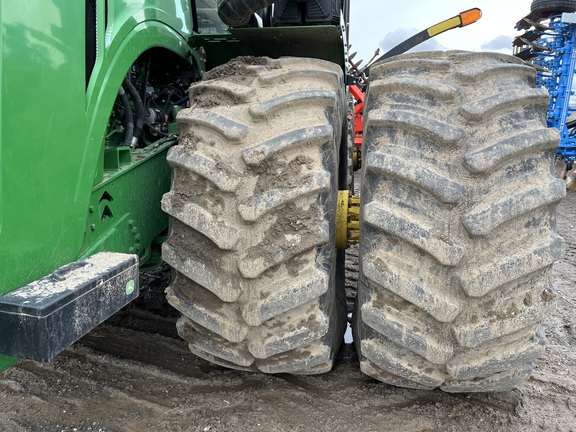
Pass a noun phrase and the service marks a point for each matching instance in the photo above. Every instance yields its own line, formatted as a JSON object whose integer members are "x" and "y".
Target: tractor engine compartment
{"x": 148, "y": 101}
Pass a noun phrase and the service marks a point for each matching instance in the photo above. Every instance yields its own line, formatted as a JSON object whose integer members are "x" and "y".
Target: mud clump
{"x": 236, "y": 69}
{"x": 279, "y": 173}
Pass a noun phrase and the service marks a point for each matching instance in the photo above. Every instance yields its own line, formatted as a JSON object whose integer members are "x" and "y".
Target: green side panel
{"x": 52, "y": 128}
{"x": 43, "y": 131}
{"x": 323, "y": 42}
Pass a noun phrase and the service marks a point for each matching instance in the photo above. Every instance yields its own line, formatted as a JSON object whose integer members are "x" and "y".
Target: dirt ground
{"x": 120, "y": 379}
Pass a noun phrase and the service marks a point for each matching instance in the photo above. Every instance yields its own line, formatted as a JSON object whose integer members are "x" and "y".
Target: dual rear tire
{"x": 457, "y": 224}
{"x": 252, "y": 211}
{"x": 457, "y": 220}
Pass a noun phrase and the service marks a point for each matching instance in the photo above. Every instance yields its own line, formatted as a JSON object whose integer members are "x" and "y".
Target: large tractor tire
{"x": 548, "y": 6}
{"x": 458, "y": 209}
{"x": 252, "y": 210}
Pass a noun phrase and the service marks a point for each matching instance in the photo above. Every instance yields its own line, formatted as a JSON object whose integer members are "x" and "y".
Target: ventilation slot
{"x": 90, "y": 54}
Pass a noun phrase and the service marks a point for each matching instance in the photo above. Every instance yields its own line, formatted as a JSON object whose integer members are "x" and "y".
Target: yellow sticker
{"x": 443, "y": 26}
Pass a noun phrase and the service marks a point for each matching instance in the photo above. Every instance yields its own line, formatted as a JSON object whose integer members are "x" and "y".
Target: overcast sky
{"x": 385, "y": 23}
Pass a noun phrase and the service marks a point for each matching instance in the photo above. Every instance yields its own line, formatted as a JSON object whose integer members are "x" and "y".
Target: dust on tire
{"x": 457, "y": 223}
{"x": 252, "y": 216}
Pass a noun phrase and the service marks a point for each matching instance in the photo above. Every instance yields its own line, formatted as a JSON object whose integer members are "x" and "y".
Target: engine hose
{"x": 138, "y": 107}
{"x": 129, "y": 135}
{"x": 237, "y": 13}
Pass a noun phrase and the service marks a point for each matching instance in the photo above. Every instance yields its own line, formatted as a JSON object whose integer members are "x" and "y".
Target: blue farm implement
{"x": 548, "y": 43}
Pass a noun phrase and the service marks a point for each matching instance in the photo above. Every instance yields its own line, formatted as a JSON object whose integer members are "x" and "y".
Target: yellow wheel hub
{"x": 347, "y": 220}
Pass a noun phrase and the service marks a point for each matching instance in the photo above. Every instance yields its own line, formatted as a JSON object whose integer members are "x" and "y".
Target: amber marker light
{"x": 470, "y": 16}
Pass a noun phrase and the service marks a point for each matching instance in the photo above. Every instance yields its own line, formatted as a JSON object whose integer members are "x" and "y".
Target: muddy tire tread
{"x": 457, "y": 223}
{"x": 252, "y": 217}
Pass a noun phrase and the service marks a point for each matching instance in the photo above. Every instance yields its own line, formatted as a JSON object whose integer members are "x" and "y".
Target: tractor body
{"x": 218, "y": 136}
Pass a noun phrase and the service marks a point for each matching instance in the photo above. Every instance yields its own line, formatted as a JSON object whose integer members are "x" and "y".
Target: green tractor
{"x": 217, "y": 137}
